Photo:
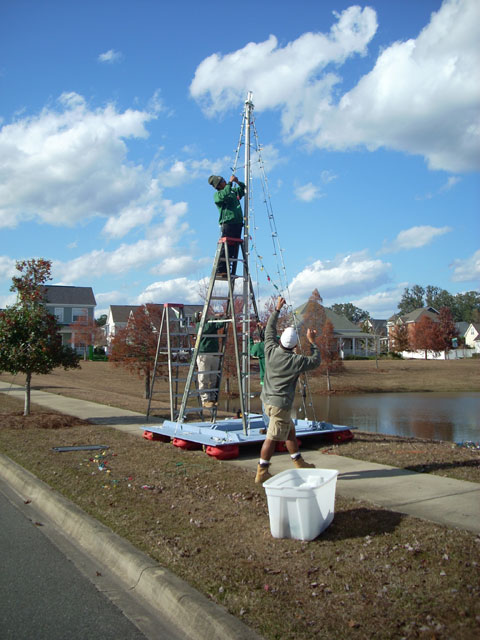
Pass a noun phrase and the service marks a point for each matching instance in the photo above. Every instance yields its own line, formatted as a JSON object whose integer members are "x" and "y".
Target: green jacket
{"x": 228, "y": 203}
{"x": 282, "y": 368}
{"x": 257, "y": 350}
{"x": 209, "y": 342}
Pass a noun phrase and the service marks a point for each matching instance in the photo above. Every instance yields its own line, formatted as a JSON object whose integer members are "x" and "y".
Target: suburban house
{"x": 117, "y": 318}
{"x": 410, "y": 319}
{"x": 378, "y": 330}
{"x": 462, "y": 328}
{"x": 119, "y": 315}
{"x": 351, "y": 340}
{"x": 472, "y": 337}
{"x": 69, "y": 305}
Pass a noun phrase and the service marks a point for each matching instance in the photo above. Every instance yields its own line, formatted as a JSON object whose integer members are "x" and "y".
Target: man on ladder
{"x": 208, "y": 360}
{"x": 227, "y": 198}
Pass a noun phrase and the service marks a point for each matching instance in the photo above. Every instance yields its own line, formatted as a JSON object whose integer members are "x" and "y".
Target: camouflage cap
{"x": 215, "y": 181}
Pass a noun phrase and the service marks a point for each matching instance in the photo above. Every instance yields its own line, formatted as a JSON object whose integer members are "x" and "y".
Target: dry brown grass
{"x": 102, "y": 382}
{"x": 372, "y": 574}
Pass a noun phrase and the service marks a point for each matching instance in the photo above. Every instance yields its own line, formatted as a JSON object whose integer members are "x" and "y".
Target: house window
{"x": 79, "y": 315}
{"x": 58, "y": 313}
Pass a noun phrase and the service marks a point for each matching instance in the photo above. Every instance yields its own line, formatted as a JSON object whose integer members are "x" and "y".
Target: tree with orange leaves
{"x": 427, "y": 336}
{"x": 331, "y": 361}
{"x": 135, "y": 346}
{"x": 315, "y": 317}
{"x": 399, "y": 338}
{"x": 448, "y": 329}
{"x": 85, "y": 333}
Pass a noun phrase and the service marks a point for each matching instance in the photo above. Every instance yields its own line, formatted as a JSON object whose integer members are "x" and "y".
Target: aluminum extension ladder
{"x": 174, "y": 349}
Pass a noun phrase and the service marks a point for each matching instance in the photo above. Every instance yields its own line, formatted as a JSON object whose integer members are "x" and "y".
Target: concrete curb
{"x": 196, "y": 616}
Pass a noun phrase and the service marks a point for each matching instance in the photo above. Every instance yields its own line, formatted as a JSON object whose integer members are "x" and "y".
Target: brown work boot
{"x": 301, "y": 464}
{"x": 262, "y": 473}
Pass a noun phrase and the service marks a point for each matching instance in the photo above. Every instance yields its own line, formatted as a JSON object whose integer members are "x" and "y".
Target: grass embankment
{"x": 372, "y": 574}
{"x": 102, "y": 382}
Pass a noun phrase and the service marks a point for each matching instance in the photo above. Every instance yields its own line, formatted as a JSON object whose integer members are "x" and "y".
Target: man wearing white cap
{"x": 282, "y": 368}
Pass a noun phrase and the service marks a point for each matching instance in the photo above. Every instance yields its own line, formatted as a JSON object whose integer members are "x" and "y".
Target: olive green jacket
{"x": 282, "y": 368}
{"x": 228, "y": 203}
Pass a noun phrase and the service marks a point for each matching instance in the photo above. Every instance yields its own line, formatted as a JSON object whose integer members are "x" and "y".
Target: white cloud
{"x": 327, "y": 176}
{"x": 110, "y": 56}
{"x": 308, "y": 192}
{"x": 421, "y": 97}
{"x": 467, "y": 270}
{"x": 281, "y": 75}
{"x": 159, "y": 244}
{"x": 175, "y": 290}
{"x": 345, "y": 276}
{"x": 414, "y": 238}
{"x": 180, "y": 265}
{"x": 450, "y": 183}
{"x": 111, "y": 297}
{"x": 181, "y": 171}
{"x": 382, "y": 304}
{"x": 7, "y": 301}
{"x": 7, "y": 267}
{"x": 65, "y": 166}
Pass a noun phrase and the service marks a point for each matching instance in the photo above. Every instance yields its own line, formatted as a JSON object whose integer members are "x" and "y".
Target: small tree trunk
{"x": 28, "y": 381}
{"x": 329, "y": 386}
{"x": 227, "y": 385}
{"x": 147, "y": 384}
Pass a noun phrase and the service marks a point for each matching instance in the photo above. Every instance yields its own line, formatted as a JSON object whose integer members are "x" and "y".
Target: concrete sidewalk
{"x": 453, "y": 503}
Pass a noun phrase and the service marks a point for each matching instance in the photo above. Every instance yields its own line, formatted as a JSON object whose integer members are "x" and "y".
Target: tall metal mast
{"x": 246, "y": 270}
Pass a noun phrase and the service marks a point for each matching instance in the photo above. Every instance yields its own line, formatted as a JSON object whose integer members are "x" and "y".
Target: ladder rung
{"x": 199, "y": 392}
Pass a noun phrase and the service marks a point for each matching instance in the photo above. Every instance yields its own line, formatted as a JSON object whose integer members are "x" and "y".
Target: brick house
{"x": 410, "y": 320}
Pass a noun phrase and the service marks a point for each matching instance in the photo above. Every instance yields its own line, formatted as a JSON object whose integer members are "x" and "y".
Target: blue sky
{"x": 114, "y": 114}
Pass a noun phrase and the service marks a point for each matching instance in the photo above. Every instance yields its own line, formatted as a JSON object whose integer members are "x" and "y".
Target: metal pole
{"x": 246, "y": 271}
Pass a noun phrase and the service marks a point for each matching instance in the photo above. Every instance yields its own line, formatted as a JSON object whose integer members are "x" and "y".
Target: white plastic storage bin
{"x": 301, "y": 502}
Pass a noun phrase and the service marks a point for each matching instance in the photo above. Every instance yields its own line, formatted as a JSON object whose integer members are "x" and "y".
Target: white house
{"x": 117, "y": 318}
{"x": 472, "y": 337}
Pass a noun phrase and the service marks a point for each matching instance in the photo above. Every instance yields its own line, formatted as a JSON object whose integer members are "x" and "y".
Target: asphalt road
{"x": 44, "y": 596}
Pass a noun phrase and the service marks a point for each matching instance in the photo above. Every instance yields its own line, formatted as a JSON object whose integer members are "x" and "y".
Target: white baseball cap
{"x": 289, "y": 338}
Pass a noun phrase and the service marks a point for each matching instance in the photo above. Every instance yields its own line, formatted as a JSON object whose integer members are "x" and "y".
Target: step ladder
{"x": 173, "y": 354}
{"x": 235, "y": 324}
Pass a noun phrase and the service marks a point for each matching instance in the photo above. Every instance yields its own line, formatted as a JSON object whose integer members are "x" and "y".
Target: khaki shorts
{"x": 280, "y": 423}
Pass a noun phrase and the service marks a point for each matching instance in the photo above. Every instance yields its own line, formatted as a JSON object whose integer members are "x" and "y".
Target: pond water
{"x": 454, "y": 417}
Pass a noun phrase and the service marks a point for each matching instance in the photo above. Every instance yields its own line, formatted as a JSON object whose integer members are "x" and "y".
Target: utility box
{"x": 301, "y": 502}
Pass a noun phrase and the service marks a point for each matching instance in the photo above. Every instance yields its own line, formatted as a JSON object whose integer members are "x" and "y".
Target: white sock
{"x": 264, "y": 462}
{"x": 294, "y": 456}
